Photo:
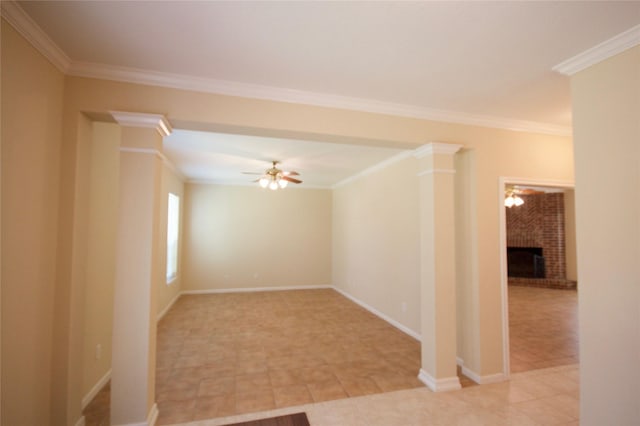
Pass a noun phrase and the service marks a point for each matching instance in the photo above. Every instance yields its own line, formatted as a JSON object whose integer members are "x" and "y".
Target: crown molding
{"x": 437, "y": 171}
{"x": 600, "y": 52}
{"x": 381, "y": 165}
{"x": 16, "y": 16}
{"x": 437, "y": 148}
{"x": 27, "y": 27}
{"x": 279, "y": 94}
{"x": 137, "y": 119}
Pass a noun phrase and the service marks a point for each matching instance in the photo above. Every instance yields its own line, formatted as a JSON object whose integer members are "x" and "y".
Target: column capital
{"x": 436, "y": 148}
{"x": 139, "y": 119}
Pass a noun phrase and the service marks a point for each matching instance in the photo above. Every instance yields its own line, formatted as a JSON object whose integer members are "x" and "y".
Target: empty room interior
{"x": 348, "y": 213}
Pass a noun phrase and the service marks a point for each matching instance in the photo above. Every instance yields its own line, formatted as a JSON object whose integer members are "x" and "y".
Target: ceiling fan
{"x": 512, "y": 195}
{"x": 275, "y": 178}
{"x": 523, "y": 190}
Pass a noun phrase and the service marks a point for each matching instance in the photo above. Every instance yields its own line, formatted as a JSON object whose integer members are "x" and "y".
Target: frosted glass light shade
{"x": 509, "y": 201}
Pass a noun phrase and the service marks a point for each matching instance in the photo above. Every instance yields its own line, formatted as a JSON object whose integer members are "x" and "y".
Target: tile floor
{"x": 228, "y": 354}
{"x": 534, "y": 398}
{"x": 235, "y": 353}
{"x": 543, "y": 328}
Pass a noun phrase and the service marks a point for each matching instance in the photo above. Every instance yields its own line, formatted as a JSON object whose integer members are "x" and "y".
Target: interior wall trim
{"x": 152, "y": 417}
{"x": 437, "y": 148}
{"x": 483, "y": 380}
{"x": 380, "y": 166}
{"x": 81, "y": 421}
{"x": 18, "y": 19}
{"x": 27, "y": 27}
{"x": 439, "y": 385}
{"x": 169, "y": 305}
{"x": 379, "y": 314}
{"x": 95, "y": 389}
{"x": 600, "y": 52}
{"x": 437, "y": 171}
{"x": 254, "y": 289}
{"x": 145, "y": 120}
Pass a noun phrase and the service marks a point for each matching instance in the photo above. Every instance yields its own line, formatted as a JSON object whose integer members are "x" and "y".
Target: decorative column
{"x": 138, "y": 269}
{"x": 437, "y": 266}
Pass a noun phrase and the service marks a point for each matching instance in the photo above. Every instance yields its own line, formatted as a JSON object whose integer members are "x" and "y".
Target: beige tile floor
{"x": 228, "y": 354}
{"x": 534, "y": 398}
{"x": 543, "y": 328}
{"x": 235, "y": 353}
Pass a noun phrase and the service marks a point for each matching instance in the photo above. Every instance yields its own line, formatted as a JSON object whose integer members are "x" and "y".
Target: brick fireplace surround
{"x": 539, "y": 222}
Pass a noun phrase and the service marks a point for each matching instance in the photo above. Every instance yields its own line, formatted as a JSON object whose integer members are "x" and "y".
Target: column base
{"x": 439, "y": 385}
{"x": 152, "y": 417}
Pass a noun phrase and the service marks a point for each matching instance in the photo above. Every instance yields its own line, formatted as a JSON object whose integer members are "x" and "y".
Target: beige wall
{"x": 479, "y": 166}
{"x": 491, "y": 153}
{"x": 247, "y": 237}
{"x": 171, "y": 183}
{"x": 606, "y": 110}
{"x": 376, "y": 241}
{"x": 101, "y": 252}
{"x": 32, "y": 102}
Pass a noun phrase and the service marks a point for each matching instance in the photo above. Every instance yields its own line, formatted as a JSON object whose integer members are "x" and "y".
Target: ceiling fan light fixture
{"x": 509, "y": 201}
{"x": 274, "y": 178}
{"x": 513, "y": 199}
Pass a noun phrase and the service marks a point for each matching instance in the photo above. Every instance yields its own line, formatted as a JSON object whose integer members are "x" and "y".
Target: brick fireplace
{"x": 536, "y": 248}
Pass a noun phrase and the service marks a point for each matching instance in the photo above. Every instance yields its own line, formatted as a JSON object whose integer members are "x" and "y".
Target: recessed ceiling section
{"x": 222, "y": 158}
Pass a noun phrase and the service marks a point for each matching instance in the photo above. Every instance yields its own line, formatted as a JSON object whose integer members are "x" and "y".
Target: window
{"x": 173, "y": 222}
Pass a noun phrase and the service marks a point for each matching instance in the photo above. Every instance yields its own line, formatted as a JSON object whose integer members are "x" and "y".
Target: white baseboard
{"x": 80, "y": 422}
{"x": 483, "y": 380}
{"x": 376, "y": 312}
{"x": 152, "y": 417}
{"x": 439, "y": 385}
{"x": 254, "y": 289}
{"x": 166, "y": 309}
{"x": 95, "y": 389}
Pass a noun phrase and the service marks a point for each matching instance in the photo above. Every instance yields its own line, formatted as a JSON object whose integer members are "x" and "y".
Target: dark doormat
{"x": 297, "y": 419}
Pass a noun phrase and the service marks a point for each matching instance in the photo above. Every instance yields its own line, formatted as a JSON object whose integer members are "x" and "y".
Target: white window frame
{"x": 173, "y": 236}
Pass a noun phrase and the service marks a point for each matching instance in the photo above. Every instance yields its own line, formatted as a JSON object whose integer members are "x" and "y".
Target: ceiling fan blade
{"x": 252, "y": 173}
{"x": 528, "y": 191}
{"x": 291, "y": 173}
{"x": 290, "y": 179}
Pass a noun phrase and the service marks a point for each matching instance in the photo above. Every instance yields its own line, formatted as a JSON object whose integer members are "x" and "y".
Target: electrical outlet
{"x": 98, "y": 351}
{"x": 404, "y": 306}
{"x": 255, "y": 275}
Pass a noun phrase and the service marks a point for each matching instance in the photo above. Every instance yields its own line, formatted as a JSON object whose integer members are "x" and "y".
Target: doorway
{"x": 539, "y": 297}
